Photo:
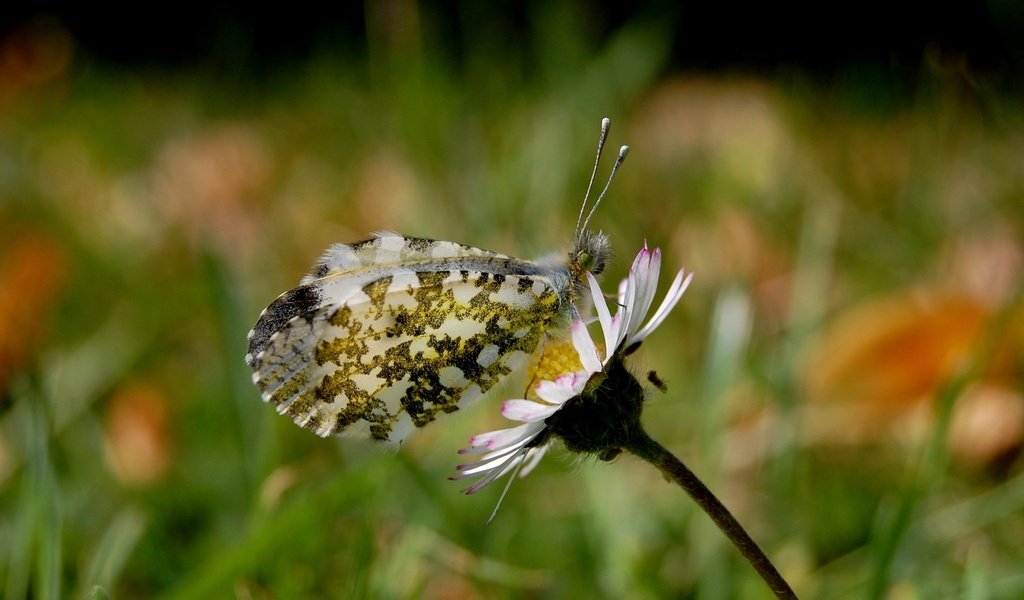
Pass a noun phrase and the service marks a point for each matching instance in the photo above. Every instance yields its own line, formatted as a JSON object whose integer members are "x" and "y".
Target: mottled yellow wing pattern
{"x": 389, "y": 333}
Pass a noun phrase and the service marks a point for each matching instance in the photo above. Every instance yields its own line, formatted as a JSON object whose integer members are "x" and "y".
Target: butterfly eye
{"x": 592, "y": 263}
{"x": 586, "y": 261}
{"x": 592, "y": 252}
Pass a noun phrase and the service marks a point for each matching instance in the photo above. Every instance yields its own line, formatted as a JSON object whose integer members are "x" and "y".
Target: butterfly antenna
{"x": 606, "y": 124}
{"x": 623, "y": 151}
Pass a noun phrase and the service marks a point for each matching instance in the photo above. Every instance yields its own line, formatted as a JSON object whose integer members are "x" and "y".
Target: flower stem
{"x": 651, "y": 451}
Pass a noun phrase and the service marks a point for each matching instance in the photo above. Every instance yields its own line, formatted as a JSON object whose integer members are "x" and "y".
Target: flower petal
{"x": 527, "y": 411}
{"x": 492, "y": 440}
{"x": 639, "y": 289}
{"x": 560, "y": 390}
{"x": 496, "y": 473}
{"x": 601, "y": 305}
{"x": 489, "y": 463}
{"x": 533, "y": 456}
{"x": 675, "y": 292}
{"x": 647, "y": 285}
{"x": 611, "y": 338}
{"x": 585, "y": 347}
{"x": 625, "y": 314}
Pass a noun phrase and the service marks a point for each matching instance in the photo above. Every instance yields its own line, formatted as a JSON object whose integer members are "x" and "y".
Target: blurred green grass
{"x": 147, "y": 219}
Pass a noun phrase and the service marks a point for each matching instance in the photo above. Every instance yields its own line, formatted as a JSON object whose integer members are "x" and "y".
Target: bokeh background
{"x": 845, "y": 372}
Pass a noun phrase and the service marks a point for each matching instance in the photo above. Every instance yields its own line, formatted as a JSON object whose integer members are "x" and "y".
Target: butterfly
{"x": 387, "y": 334}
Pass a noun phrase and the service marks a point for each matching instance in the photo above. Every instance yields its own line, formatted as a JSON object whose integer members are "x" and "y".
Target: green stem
{"x": 651, "y": 451}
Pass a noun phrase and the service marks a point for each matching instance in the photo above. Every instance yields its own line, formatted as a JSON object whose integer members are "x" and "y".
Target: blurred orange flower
{"x": 877, "y": 368}
{"x": 893, "y": 352}
{"x": 138, "y": 439}
{"x": 32, "y": 273}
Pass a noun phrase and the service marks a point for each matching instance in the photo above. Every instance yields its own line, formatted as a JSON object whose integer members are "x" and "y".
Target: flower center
{"x": 558, "y": 358}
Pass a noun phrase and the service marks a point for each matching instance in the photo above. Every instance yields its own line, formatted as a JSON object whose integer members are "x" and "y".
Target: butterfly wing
{"x": 392, "y": 332}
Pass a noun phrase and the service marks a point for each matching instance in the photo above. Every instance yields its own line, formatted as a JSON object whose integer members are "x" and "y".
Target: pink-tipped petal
{"x": 496, "y": 473}
{"x": 675, "y": 293}
{"x": 475, "y": 468}
{"x": 643, "y": 258}
{"x": 640, "y": 286}
{"x": 481, "y": 440}
{"x": 557, "y": 392}
{"x": 490, "y": 461}
{"x": 492, "y": 440}
{"x": 640, "y": 270}
{"x": 647, "y": 286}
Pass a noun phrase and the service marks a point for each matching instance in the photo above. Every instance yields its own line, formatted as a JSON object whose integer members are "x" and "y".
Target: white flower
{"x": 506, "y": 449}
{"x": 522, "y": 447}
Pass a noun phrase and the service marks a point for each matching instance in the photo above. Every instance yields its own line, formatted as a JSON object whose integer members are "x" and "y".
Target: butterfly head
{"x": 590, "y": 254}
